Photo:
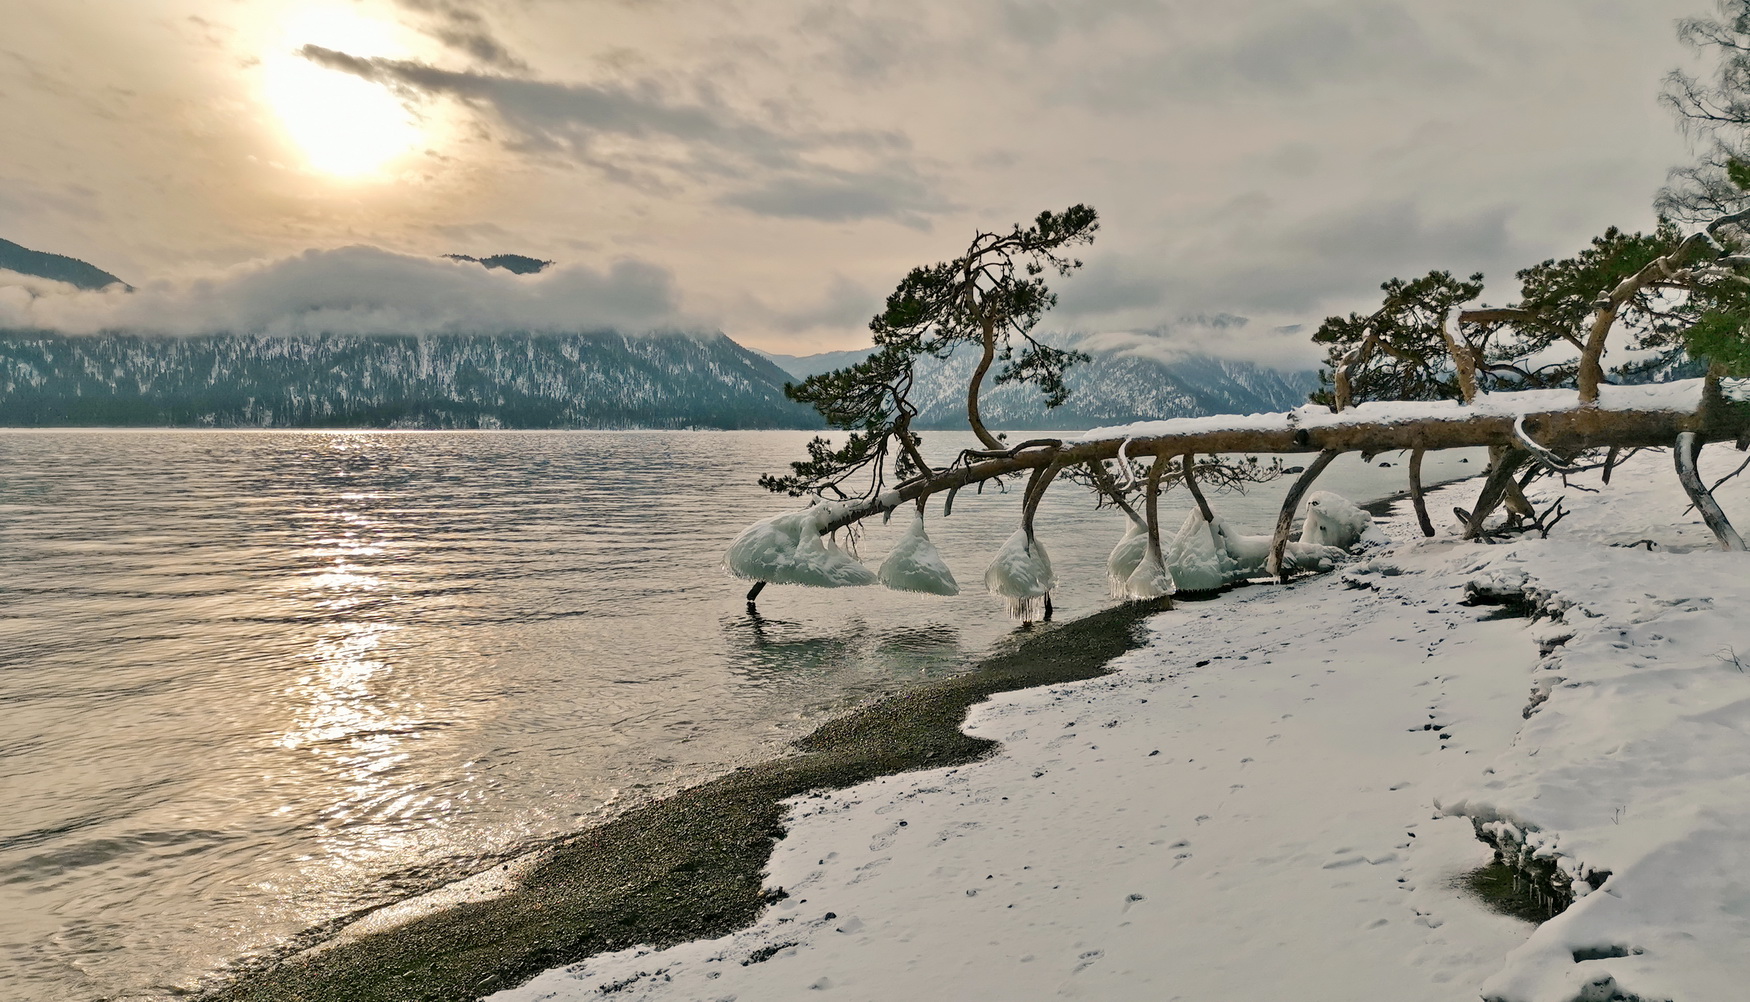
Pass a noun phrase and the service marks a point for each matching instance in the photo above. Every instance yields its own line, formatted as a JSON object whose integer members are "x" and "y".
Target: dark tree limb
{"x": 1154, "y": 505}
{"x": 1507, "y": 462}
{"x": 1416, "y": 500}
{"x": 1036, "y": 485}
{"x": 1154, "y": 513}
{"x": 1103, "y": 481}
{"x": 973, "y": 387}
{"x": 1291, "y": 504}
{"x": 1688, "y": 448}
{"x": 1189, "y": 462}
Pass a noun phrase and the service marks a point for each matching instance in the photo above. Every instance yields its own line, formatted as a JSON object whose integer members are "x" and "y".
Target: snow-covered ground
{"x": 1274, "y": 799}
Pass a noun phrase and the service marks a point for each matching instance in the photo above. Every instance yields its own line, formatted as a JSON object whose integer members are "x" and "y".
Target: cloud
{"x": 1340, "y": 253}
{"x": 1220, "y": 335}
{"x": 768, "y": 171}
{"x": 843, "y": 196}
{"x": 844, "y": 305}
{"x": 357, "y": 290}
{"x": 868, "y": 44}
{"x": 463, "y": 29}
{"x": 1288, "y": 54}
{"x": 568, "y": 116}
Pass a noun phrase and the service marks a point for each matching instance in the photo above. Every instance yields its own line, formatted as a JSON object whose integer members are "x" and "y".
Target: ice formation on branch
{"x": 916, "y": 565}
{"x": 1021, "y": 572}
{"x": 789, "y": 549}
{"x": 1251, "y": 554}
{"x": 1151, "y": 579}
{"x": 1334, "y": 520}
{"x": 1125, "y": 556}
{"x": 1197, "y": 556}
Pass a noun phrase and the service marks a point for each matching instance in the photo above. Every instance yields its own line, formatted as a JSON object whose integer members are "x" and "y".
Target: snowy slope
{"x": 1275, "y": 799}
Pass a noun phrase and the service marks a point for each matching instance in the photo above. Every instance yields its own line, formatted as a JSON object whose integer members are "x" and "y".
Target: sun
{"x": 344, "y": 126}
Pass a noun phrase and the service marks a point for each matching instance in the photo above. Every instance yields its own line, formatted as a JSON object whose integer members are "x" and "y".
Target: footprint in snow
{"x": 1086, "y": 960}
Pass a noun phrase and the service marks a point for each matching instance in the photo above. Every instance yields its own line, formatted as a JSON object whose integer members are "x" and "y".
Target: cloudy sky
{"x": 772, "y": 168}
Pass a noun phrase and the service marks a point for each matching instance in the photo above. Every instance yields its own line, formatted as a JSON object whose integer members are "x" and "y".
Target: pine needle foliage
{"x": 992, "y": 295}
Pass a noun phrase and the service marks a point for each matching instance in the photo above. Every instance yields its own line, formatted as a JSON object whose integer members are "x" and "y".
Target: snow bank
{"x": 788, "y": 549}
{"x": 1632, "y": 769}
{"x": 914, "y": 564}
{"x": 1021, "y": 573}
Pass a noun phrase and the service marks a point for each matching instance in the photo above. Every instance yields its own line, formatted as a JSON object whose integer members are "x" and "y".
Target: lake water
{"x": 252, "y": 681}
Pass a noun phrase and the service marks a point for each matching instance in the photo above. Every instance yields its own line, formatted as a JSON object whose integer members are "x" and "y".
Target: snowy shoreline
{"x": 1287, "y": 812}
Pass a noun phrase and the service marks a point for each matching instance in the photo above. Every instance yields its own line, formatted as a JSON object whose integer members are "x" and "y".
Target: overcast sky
{"x": 772, "y": 168}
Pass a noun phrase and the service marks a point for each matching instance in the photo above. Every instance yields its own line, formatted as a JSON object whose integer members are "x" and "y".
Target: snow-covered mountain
{"x": 1119, "y": 385}
{"x": 585, "y": 380}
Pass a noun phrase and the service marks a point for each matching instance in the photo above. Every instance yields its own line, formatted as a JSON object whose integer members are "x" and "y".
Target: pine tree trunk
{"x": 1505, "y": 463}
{"x": 1416, "y": 499}
{"x": 973, "y": 418}
{"x": 1291, "y": 504}
{"x": 1687, "y": 450}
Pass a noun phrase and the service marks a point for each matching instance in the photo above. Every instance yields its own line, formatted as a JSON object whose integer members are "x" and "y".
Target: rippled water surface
{"x": 252, "y": 681}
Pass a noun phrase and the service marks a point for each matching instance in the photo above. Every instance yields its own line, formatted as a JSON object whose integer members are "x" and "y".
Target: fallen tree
{"x": 1419, "y": 374}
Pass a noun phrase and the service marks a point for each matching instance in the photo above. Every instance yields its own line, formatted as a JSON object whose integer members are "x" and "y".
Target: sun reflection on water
{"x": 358, "y": 709}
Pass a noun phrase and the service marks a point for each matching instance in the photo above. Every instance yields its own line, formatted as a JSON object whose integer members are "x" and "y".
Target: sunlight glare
{"x": 344, "y": 126}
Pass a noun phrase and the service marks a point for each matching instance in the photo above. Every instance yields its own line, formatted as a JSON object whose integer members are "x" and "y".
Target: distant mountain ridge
{"x": 585, "y": 380}
{"x": 56, "y": 267}
{"x": 1117, "y": 386}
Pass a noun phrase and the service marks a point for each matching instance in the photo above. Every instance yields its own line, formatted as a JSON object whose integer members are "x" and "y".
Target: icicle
{"x": 915, "y": 564}
{"x": 1021, "y": 573}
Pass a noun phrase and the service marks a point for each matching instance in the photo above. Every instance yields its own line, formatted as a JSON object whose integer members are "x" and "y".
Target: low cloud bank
{"x": 355, "y": 290}
{"x": 1219, "y": 336}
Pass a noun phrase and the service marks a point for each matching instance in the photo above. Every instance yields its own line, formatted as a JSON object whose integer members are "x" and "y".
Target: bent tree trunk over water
{"x": 1523, "y": 431}
{"x": 1567, "y": 430}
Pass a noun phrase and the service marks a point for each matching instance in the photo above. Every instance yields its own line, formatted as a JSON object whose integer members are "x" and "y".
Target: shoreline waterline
{"x": 688, "y": 866}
